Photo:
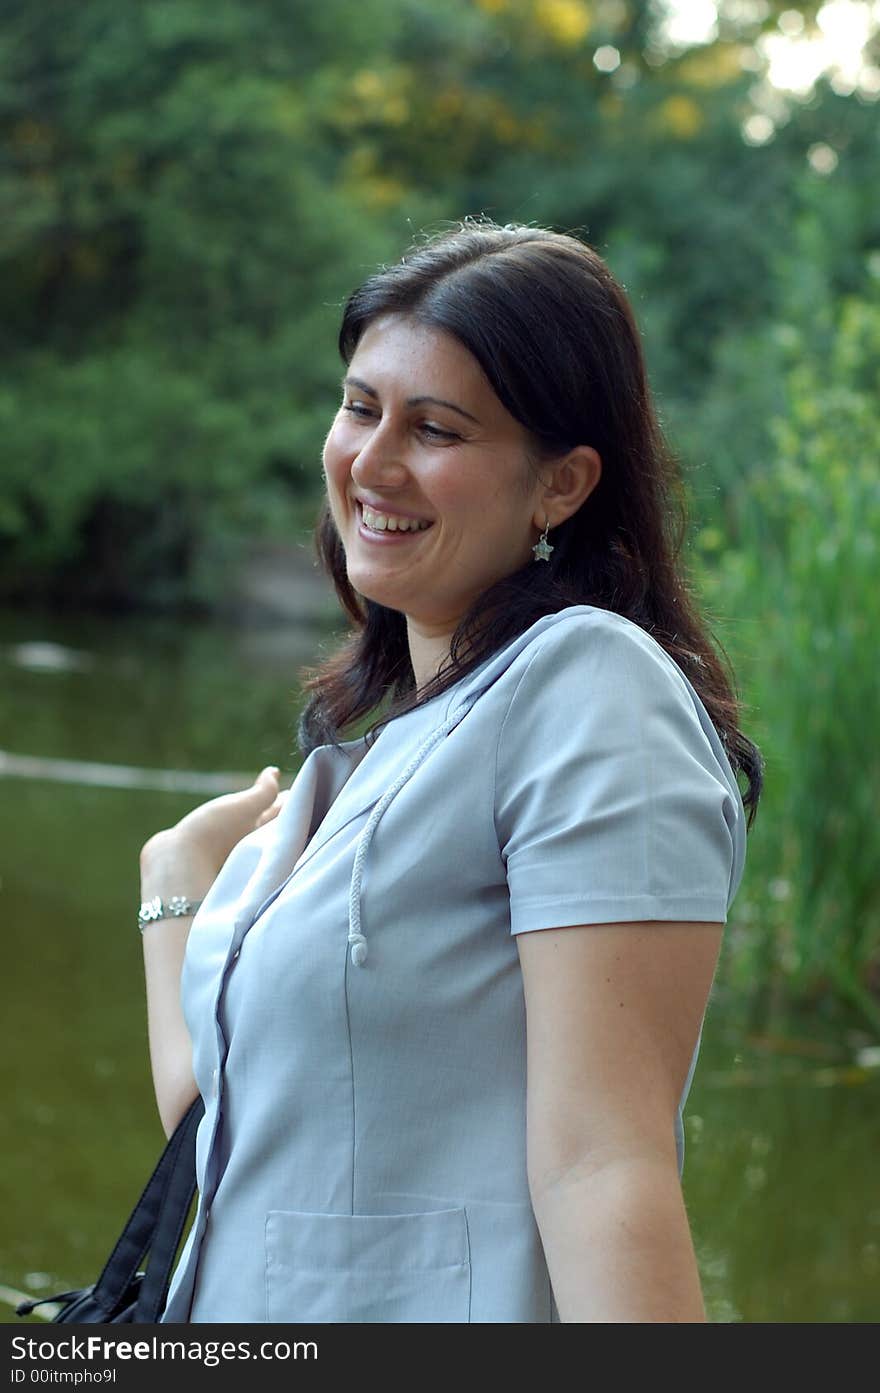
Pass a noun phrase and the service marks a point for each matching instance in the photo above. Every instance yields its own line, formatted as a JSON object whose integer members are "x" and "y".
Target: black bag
{"x": 122, "y": 1293}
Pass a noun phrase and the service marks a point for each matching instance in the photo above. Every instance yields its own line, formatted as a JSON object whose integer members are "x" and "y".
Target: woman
{"x": 443, "y": 999}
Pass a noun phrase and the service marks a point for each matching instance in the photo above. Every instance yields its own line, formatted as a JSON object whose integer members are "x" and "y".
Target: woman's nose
{"x": 380, "y": 459}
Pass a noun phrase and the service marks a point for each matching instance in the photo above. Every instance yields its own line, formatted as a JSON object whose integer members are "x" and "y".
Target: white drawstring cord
{"x": 356, "y": 939}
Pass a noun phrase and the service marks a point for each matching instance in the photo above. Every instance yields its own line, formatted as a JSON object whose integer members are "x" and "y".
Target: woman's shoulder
{"x": 578, "y": 655}
{"x": 594, "y": 675}
{"x": 587, "y": 643}
{"x": 590, "y": 665}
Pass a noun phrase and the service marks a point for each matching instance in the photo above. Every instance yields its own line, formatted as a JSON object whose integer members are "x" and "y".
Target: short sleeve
{"x": 612, "y": 800}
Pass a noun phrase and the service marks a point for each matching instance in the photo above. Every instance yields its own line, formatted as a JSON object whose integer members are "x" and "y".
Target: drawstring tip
{"x": 359, "y": 952}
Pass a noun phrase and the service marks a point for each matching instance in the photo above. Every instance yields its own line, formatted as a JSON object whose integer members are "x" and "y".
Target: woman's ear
{"x": 572, "y": 479}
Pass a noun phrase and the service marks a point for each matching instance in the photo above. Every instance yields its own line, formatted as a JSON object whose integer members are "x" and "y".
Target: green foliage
{"x": 803, "y": 585}
{"x": 172, "y": 272}
{"x": 192, "y": 191}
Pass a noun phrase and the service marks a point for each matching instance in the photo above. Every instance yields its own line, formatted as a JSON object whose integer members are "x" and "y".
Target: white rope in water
{"x": 74, "y": 771}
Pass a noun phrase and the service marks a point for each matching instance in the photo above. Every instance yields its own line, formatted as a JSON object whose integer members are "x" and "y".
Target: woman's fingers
{"x": 273, "y": 810}
{"x": 263, "y": 794}
{"x": 210, "y": 831}
{"x": 265, "y": 786}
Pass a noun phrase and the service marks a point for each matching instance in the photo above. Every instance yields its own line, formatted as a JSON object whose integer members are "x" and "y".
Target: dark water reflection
{"x": 781, "y": 1180}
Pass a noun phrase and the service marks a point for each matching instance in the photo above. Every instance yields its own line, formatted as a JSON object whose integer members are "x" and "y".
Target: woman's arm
{"x": 166, "y": 870}
{"x": 613, "y": 1016}
{"x": 185, "y": 860}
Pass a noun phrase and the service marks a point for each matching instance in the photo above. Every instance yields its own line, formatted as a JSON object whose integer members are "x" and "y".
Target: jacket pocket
{"x": 368, "y": 1267}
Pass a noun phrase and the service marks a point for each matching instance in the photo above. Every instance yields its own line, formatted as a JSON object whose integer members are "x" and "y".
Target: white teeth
{"x": 385, "y": 522}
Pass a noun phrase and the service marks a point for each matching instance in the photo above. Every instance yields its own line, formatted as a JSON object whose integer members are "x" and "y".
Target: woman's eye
{"x": 433, "y": 432}
{"x": 436, "y": 433}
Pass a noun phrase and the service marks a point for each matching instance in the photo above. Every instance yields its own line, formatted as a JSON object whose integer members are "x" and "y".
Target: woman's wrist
{"x": 175, "y": 907}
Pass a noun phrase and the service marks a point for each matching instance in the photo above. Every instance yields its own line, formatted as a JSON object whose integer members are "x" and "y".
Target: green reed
{"x": 801, "y": 588}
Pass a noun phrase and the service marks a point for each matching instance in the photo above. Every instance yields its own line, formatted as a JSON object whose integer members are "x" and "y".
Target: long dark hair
{"x": 556, "y": 337}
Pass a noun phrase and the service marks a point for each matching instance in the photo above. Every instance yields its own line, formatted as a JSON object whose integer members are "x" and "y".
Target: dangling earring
{"x": 542, "y": 547}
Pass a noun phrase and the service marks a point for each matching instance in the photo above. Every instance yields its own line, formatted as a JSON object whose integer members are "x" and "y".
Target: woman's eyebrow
{"x": 411, "y": 401}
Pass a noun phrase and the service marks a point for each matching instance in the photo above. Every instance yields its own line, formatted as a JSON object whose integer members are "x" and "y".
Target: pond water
{"x": 781, "y": 1179}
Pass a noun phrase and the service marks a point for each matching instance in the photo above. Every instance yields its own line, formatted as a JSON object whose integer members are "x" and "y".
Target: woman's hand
{"x": 185, "y": 859}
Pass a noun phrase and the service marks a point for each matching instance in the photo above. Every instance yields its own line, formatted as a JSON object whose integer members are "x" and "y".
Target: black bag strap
{"x": 176, "y": 1201}
{"x": 155, "y": 1224}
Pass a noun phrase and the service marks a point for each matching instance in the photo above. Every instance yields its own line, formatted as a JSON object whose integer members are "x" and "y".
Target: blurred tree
{"x": 173, "y": 259}
{"x": 189, "y": 192}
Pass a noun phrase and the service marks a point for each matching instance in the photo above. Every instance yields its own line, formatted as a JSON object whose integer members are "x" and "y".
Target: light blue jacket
{"x": 353, "y": 988}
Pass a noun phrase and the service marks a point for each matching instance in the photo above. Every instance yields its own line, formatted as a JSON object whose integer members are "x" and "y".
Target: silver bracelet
{"x": 175, "y": 908}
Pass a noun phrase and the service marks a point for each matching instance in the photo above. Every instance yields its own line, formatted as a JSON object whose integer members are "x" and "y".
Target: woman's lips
{"x": 387, "y": 538}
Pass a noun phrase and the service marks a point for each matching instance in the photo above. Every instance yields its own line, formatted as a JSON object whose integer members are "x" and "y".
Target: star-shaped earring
{"x": 542, "y": 547}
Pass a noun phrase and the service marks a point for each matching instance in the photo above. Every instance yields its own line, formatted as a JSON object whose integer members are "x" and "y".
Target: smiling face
{"x": 421, "y": 435}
